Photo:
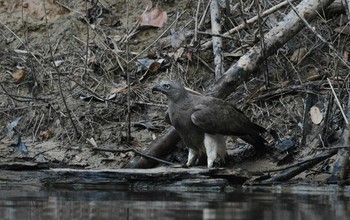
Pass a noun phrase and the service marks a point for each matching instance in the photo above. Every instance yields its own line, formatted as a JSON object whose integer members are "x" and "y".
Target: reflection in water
{"x": 26, "y": 203}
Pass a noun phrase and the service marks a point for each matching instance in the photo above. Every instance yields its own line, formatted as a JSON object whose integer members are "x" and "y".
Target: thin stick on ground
{"x": 338, "y": 103}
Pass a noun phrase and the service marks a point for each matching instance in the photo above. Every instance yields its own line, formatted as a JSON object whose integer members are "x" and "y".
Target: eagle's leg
{"x": 192, "y": 157}
{"x": 214, "y": 145}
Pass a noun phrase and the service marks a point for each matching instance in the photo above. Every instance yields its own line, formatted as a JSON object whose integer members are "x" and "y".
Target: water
{"x": 25, "y": 202}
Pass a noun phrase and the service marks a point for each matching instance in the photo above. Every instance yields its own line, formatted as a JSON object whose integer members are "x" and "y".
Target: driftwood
{"x": 243, "y": 69}
{"x": 161, "y": 178}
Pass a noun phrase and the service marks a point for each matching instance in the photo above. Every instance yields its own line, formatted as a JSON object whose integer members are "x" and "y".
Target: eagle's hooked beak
{"x": 157, "y": 88}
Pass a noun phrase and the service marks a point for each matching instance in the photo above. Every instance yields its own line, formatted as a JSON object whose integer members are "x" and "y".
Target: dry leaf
{"x": 343, "y": 30}
{"x": 92, "y": 142}
{"x": 316, "y": 115}
{"x": 46, "y": 135}
{"x": 189, "y": 55}
{"x": 178, "y": 53}
{"x": 93, "y": 59}
{"x": 148, "y": 64}
{"x": 19, "y": 75}
{"x": 154, "y": 67}
{"x": 154, "y": 18}
{"x": 346, "y": 55}
{"x": 298, "y": 55}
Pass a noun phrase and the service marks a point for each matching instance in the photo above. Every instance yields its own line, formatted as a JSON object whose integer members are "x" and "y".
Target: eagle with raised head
{"x": 203, "y": 121}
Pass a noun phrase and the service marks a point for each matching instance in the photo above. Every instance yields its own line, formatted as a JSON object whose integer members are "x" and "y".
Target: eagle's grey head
{"x": 172, "y": 89}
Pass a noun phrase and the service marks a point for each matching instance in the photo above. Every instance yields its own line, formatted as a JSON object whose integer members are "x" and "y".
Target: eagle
{"x": 203, "y": 122}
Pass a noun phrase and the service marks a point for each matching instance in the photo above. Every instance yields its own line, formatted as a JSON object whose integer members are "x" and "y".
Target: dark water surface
{"x": 24, "y": 202}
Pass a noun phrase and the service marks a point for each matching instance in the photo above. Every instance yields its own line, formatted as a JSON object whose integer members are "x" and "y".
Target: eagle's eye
{"x": 167, "y": 86}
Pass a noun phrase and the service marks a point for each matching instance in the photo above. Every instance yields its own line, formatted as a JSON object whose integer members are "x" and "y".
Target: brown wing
{"x": 220, "y": 117}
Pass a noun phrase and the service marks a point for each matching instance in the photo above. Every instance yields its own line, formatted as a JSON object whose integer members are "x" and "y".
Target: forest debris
{"x": 343, "y": 30}
{"x": 298, "y": 55}
{"x": 88, "y": 98}
{"x": 121, "y": 89}
{"x": 46, "y": 135}
{"x": 19, "y": 75}
{"x": 147, "y": 125}
{"x": 284, "y": 151}
{"x": 20, "y": 145}
{"x": 316, "y": 115}
{"x": 92, "y": 142}
{"x": 154, "y": 18}
{"x": 177, "y": 38}
{"x": 346, "y": 55}
{"x": 148, "y": 64}
{"x": 302, "y": 166}
{"x": 58, "y": 62}
{"x": 338, "y": 103}
{"x": 9, "y": 129}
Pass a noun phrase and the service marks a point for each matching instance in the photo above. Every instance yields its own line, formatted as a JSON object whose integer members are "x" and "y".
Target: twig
{"x": 38, "y": 127}
{"x": 70, "y": 9}
{"x": 261, "y": 32}
{"x": 338, "y": 103}
{"x": 196, "y": 21}
{"x": 216, "y": 35}
{"x": 24, "y": 98}
{"x": 204, "y": 14}
{"x": 204, "y": 63}
{"x": 135, "y": 151}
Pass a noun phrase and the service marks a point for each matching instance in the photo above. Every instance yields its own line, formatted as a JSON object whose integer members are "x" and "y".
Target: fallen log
{"x": 160, "y": 178}
{"x": 246, "y": 66}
